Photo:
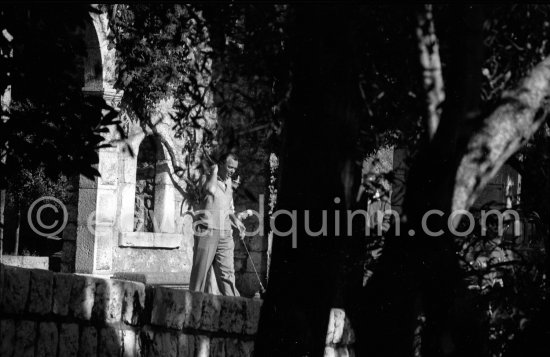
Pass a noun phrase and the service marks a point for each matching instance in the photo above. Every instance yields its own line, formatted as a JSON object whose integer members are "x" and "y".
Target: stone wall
{"x": 55, "y": 314}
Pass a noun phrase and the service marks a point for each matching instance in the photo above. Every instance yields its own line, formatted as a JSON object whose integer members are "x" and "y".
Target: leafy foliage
{"x": 50, "y": 122}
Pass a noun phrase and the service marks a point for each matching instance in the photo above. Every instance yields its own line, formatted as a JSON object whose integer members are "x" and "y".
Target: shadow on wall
{"x": 53, "y": 314}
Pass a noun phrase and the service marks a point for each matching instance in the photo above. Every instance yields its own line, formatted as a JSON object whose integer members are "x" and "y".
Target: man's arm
{"x": 210, "y": 186}
{"x": 235, "y": 220}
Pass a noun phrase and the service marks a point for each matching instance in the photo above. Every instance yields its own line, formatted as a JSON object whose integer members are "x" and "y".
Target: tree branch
{"x": 502, "y": 133}
{"x": 431, "y": 68}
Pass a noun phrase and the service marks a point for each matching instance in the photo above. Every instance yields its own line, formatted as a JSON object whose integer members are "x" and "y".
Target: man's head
{"x": 227, "y": 165}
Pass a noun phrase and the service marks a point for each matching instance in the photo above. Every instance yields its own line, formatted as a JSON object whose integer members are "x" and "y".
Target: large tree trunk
{"x": 415, "y": 273}
{"x": 317, "y": 165}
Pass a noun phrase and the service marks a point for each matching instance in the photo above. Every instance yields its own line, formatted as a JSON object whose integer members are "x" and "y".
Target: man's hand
{"x": 214, "y": 169}
{"x": 241, "y": 228}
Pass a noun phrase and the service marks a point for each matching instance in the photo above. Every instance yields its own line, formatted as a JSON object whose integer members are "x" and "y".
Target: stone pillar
{"x": 165, "y": 206}
{"x": 85, "y": 231}
{"x": 97, "y": 206}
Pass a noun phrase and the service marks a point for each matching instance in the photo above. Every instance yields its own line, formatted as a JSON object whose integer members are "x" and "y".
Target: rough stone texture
{"x": 202, "y": 346}
{"x": 87, "y": 346}
{"x": 232, "y": 315}
{"x": 165, "y": 345}
{"x": 82, "y": 297}
{"x": 109, "y": 295}
{"x": 195, "y": 316}
{"x": 109, "y": 342}
{"x": 46, "y": 345}
{"x": 15, "y": 289}
{"x": 7, "y": 337}
{"x": 108, "y": 317}
{"x": 25, "y": 333}
{"x": 171, "y": 307}
{"x": 41, "y": 291}
{"x": 129, "y": 343}
{"x": 133, "y": 303}
{"x": 217, "y": 347}
{"x": 62, "y": 285}
{"x": 23, "y": 261}
{"x": 68, "y": 340}
{"x": 237, "y": 348}
{"x": 186, "y": 345}
{"x": 211, "y": 307}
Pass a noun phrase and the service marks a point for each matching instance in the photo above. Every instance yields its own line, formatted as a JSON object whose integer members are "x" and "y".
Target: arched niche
{"x": 148, "y": 206}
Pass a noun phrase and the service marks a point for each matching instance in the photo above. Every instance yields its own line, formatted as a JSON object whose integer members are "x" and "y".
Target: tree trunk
{"x": 317, "y": 165}
{"x": 2, "y": 207}
{"x": 17, "y": 229}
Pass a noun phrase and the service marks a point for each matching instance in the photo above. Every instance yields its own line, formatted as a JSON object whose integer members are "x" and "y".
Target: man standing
{"x": 213, "y": 234}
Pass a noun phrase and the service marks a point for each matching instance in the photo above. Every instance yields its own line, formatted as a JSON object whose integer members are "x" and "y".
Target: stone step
{"x": 178, "y": 279}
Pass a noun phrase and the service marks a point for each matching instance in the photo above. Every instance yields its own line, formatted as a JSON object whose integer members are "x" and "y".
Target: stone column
{"x": 97, "y": 207}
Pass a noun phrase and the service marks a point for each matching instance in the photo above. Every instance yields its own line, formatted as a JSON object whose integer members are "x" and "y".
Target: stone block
{"x": 46, "y": 346}
{"x": 211, "y": 307}
{"x": 194, "y": 317}
{"x": 68, "y": 340}
{"x": 133, "y": 303}
{"x": 106, "y": 206}
{"x": 7, "y": 337}
{"x": 217, "y": 347}
{"x": 170, "y": 307}
{"x": 109, "y": 342}
{"x": 202, "y": 346}
{"x": 87, "y": 346}
{"x": 62, "y": 285}
{"x": 253, "y": 309}
{"x": 186, "y": 345}
{"x": 24, "y": 261}
{"x": 129, "y": 343}
{"x": 238, "y": 348}
{"x": 104, "y": 241}
{"x": 129, "y": 170}
{"x": 41, "y": 291}
{"x": 15, "y": 289}
{"x": 165, "y": 345}
{"x": 82, "y": 297}
{"x": 109, "y": 295}
{"x": 232, "y": 315}
{"x": 108, "y": 168}
{"x": 25, "y": 335}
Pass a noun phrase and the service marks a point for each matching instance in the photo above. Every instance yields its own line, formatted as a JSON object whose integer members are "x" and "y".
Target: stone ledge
{"x": 181, "y": 309}
{"x": 150, "y": 240}
{"x": 23, "y": 261}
